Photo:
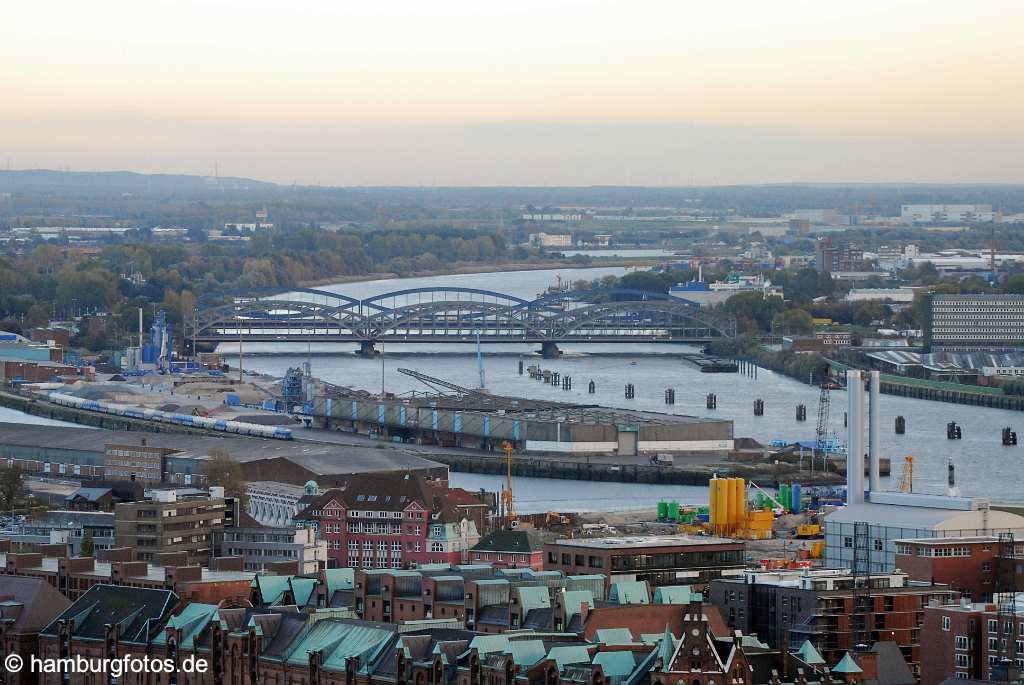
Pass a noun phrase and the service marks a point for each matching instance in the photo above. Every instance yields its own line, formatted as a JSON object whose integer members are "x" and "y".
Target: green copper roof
{"x": 666, "y": 648}
{"x": 534, "y": 598}
{"x": 340, "y": 579}
{"x": 630, "y": 592}
{"x": 571, "y": 654}
{"x": 573, "y": 600}
{"x": 616, "y": 664}
{"x": 338, "y": 641}
{"x": 810, "y": 655}
{"x": 486, "y": 644}
{"x": 190, "y": 622}
{"x": 847, "y": 665}
{"x": 526, "y": 652}
{"x": 614, "y": 636}
{"x": 673, "y": 594}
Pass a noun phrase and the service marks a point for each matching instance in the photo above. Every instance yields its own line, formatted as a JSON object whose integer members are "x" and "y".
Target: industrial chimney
{"x": 855, "y": 438}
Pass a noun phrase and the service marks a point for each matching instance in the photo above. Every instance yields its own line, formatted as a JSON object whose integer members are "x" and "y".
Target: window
{"x": 993, "y": 625}
{"x": 962, "y": 660}
{"x": 986, "y": 567}
{"x": 847, "y": 542}
{"x": 945, "y": 622}
{"x": 961, "y": 642}
{"x": 878, "y": 545}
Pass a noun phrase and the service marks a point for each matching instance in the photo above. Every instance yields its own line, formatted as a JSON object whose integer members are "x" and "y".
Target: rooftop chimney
{"x": 874, "y": 417}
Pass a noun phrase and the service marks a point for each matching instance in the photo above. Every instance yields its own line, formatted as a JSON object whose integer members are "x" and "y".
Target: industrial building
{"x": 946, "y": 214}
{"x": 486, "y": 422}
{"x": 83, "y": 453}
{"x": 862, "y": 535}
{"x": 970, "y": 322}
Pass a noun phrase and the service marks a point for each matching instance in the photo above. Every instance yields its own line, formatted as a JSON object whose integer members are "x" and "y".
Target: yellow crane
{"x": 907, "y": 482}
{"x": 507, "y": 503}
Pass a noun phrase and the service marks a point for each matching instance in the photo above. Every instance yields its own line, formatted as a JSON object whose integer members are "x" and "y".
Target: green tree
{"x": 11, "y": 481}
{"x": 793, "y": 322}
{"x": 224, "y": 471}
{"x": 87, "y": 544}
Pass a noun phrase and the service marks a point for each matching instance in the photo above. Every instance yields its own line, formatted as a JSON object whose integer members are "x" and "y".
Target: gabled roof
{"x": 135, "y": 610}
{"x": 533, "y": 597}
{"x": 33, "y": 600}
{"x": 674, "y": 594}
{"x": 510, "y": 541}
{"x": 190, "y": 622}
{"x": 629, "y": 592}
{"x": 526, "y": 653}
{"x": 614, "y": 636}
{"x": 88, "y": 494}
{"x": 569, "y": 654}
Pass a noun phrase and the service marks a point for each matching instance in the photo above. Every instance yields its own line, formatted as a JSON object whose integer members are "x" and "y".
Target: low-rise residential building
{"x": 973, "y": 641}
{"x": 510, "y": 548}
{"x": 657, "y": 559}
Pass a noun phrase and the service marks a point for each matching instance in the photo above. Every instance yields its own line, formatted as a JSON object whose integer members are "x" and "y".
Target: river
{"x": 983, "y": 465}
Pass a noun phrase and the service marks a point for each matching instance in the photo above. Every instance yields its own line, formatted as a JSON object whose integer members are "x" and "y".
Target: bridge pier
{"x": 366, "y": 349}
{"x": 549, "y": 350}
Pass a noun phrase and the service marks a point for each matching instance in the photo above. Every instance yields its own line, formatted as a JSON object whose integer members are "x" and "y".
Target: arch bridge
{"x": 454, "y": 315}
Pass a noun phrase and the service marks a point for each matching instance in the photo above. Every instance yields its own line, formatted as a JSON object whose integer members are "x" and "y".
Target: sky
{"x": 530, "y": 92}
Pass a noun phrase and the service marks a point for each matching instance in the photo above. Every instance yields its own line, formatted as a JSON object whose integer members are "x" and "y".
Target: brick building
{"x": 969, "y": 565}
{"x": 27, "y": 605}
{"x": 657, "y": 559}
{"x": 514, "y": 548}
{"x": 970, "y": 640}
{"x": 787, "y": 608}
{"x": 390, "y": 521}
{"x": 74, "y": 576}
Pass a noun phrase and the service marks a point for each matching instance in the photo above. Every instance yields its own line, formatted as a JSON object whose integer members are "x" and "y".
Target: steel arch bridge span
{"x": 452, "y": 314}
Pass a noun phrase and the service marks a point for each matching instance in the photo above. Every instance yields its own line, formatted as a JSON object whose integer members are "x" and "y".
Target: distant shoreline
{"x": 484, "y": 269}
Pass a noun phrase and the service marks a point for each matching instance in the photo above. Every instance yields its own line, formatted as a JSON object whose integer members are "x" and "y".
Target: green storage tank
{"x": 673, "y": 511}
{"x": 662, "y": 511}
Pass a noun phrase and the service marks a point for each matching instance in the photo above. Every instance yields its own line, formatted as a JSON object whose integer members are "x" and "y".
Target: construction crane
{"x": 821, "y": 434}
{"x": 507, "y": 502}
{"x": 768, "y": 495}
{"x": 907, "y": 482}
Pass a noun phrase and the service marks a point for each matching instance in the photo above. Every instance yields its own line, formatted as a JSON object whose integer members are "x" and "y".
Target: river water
{"x": 983, "y": 465}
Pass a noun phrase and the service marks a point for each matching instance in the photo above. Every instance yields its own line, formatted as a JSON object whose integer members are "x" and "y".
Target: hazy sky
{"x": 532, "y": 92}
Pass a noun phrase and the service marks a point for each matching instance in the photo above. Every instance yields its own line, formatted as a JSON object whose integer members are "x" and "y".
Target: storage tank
{"x": 673, "y": 511}
{"x": 713, "y": 502}
{"x": 784, "y": 495}
{"x": 722, "y": 504}
{"x": 735, "y": 502}
{"x": 796, "y": 506}
{"x": 662, "y": 510}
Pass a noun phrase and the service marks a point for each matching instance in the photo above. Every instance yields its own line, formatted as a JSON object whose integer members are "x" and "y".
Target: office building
{"x": 973, "y": 566}
{"x": 656, "y": 559}
{"x": 970, "y": 322}
{"x": 265, "y": 548}
{"x": 171, "y": 520}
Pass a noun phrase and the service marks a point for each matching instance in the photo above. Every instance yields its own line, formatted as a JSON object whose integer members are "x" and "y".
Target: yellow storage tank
{"x": 722, "y": 503}
{"x": 713, "y": 503}
{"x": 738, "y": 502}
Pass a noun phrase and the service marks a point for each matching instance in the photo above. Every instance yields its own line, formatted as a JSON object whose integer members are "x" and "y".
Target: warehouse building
{"x": 87, "y": 454}
{"x": 529, "y": 426}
